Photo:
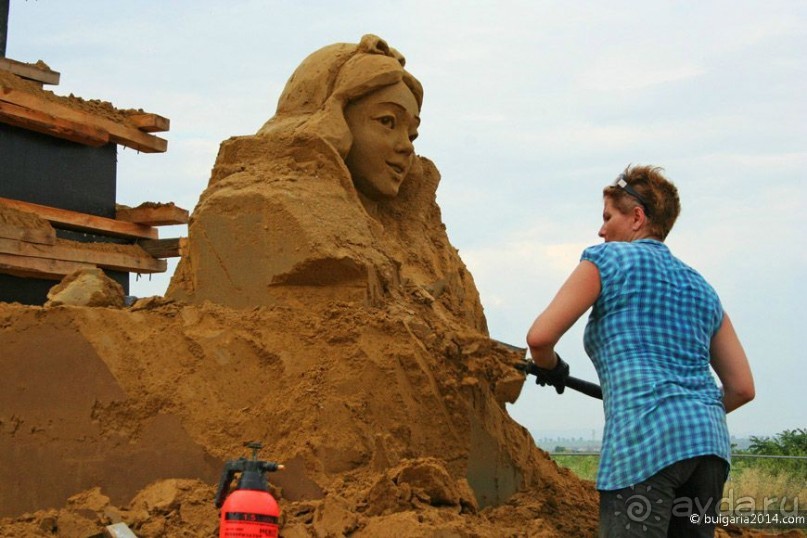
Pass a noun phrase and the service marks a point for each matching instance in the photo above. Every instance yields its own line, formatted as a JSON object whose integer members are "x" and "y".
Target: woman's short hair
{"x": 318, "y": 91}
{"x": 647, "y": 187}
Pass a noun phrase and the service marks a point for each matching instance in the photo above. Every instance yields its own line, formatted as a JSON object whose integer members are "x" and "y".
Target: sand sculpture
{"x": 289, "y": 218}
{"x": 322, "y": 310}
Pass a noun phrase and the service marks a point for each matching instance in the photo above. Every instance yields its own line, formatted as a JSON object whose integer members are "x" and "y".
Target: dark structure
{"x": 45, "y": 170}
{"x": 58, "y": 160}
{"x": 49, "y": 171}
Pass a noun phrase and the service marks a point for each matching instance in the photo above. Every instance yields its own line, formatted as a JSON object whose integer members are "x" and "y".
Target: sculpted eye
{"x": 387, "y": 121}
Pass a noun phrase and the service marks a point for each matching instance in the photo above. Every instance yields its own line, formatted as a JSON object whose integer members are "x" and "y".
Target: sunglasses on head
{"x": 623, "y": 184}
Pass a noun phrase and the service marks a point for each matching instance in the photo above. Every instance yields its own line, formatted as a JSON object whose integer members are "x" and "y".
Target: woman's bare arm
{"x": 731, "y": 366}
{"x": 577, "y": 294}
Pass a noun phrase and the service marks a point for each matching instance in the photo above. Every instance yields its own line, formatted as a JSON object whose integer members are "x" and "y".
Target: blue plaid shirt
{"x": 648, "y": 336}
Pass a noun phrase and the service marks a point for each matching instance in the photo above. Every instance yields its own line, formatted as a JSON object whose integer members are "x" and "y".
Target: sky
{"x": 530, "y": 108}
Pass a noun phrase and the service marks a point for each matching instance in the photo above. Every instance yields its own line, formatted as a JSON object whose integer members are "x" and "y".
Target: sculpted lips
{"x": 399, "y": 169}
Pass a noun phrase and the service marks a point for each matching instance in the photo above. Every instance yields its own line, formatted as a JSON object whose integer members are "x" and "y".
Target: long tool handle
{"x": 586, "y": 387}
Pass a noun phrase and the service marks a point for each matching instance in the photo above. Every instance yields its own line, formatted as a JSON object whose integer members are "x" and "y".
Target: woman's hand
{"x": 556, "y": 377}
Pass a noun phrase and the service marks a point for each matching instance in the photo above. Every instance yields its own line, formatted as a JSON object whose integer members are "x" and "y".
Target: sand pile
{"x": 373, "y": 422}
{"x": 96, "y": 107}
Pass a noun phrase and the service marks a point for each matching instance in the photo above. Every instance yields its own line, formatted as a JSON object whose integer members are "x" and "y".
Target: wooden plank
{"x": 153, "y": 214}
{"x": 33, "y": 120}
{"x": 119, "y": 133}
{"x": 150, "y": 123}
{"x": 83, "y": 221}
{"x": 27, "y": 267}
{"x": 132, "y": 260}
{"x": 30, "y": 71}
{"x": 164, "y": 248}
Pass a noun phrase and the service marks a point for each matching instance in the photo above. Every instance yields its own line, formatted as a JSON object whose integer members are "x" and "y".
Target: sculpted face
{"x": 384, "y": 125}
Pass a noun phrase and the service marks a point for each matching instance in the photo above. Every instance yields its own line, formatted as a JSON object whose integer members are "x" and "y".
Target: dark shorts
{"x": 671, "y": 503}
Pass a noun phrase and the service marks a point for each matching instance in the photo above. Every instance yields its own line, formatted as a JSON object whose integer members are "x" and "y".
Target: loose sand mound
{"x": 379, "y": 428}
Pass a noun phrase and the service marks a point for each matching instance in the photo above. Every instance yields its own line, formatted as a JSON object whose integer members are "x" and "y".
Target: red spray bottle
{"x": 249, "y": 511}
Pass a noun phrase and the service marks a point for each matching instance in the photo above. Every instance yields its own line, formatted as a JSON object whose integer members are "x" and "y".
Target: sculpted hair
{"x": 318, "y": 91}
{"x": 659, "y": 197}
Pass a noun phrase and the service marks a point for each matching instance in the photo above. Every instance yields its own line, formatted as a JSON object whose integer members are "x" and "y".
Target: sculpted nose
{"x": 404, "y": 145}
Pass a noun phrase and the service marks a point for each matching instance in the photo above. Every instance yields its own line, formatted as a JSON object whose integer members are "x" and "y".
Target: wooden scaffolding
{"x": 52, "y": 224}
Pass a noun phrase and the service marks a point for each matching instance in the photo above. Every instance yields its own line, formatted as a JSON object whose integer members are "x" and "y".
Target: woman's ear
{"x": 639, "y": 218}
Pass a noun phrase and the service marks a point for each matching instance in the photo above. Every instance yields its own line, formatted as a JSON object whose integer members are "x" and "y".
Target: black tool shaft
{"x": 586, "y": 387}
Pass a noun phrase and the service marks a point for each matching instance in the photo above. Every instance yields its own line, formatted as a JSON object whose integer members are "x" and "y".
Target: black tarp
{"x": 45, "y": 170}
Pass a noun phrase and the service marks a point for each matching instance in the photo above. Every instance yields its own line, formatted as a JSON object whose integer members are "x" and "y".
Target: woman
{"x": 655, "y": 328}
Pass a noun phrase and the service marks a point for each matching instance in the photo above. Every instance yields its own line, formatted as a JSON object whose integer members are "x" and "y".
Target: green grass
{"x": 777, "y": 481}
{"x": 583, "y": 466}
{"x": 780, "y": 489}
{"x": 772, "y": 485}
